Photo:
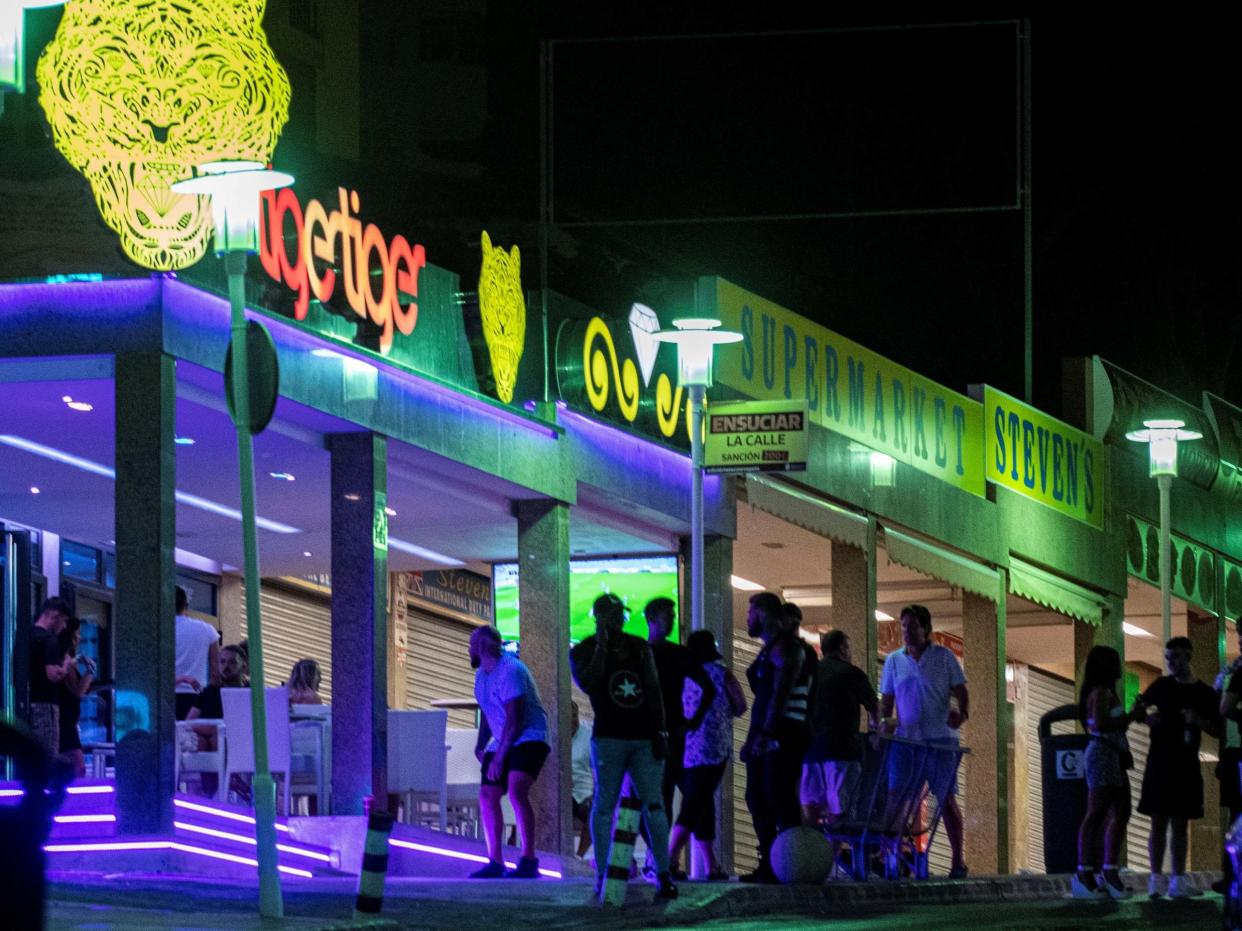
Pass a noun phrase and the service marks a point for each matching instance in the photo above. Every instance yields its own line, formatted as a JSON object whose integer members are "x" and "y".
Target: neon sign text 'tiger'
{"x": 340, "y": 234}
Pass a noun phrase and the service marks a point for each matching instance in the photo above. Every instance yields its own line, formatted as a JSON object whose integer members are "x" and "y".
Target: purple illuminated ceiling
{"x": 442, "y": 506}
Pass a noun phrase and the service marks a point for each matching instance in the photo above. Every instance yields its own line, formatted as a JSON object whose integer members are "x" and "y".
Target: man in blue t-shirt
{"x": 513, "y": 743}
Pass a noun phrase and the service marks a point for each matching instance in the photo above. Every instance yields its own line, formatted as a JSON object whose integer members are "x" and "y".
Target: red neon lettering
{"x": 326, "y": 237}
{"x": 294, "y": 273}
{"x": 269, "y": 229}
{"x": 379, "y": 310}
{"x": 407, "y": 281}
{"x": 319, "y": 247}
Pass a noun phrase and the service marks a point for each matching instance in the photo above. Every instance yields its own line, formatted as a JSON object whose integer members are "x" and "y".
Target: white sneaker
{"x": 1080, "y": 890}
{"x": 1153, "y": 885}
{"x": 1116, "y": 892}
{"x": 1180, "y": 889}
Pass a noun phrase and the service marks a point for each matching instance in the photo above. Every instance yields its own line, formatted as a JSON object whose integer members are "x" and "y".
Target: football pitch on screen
{"x": 633, "y": 588}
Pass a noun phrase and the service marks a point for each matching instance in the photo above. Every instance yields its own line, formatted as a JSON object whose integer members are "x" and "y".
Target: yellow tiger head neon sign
{"x": 140, "y": 93}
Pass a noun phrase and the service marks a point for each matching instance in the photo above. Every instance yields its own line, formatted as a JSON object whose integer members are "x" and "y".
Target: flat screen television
{"x": 634, "y": 579}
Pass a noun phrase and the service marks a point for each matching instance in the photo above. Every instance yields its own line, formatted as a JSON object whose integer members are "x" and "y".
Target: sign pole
{"x": 263, "y": 788}
{"x": 1165, "y": 484}
{"x": 697, "y": 395}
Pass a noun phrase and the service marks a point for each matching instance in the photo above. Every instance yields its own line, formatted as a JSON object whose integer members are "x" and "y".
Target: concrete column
{"x": 987, "y": 786}
{"x": 1207, "y": 636}
{"x": 145, "y": 516}
{"x": 543, "y": 604}
{"x": 359, "y": 621}
{"x": 718, "y": 618}
{"x": 1020, "y": 786}
{"x": 854, "y": 598}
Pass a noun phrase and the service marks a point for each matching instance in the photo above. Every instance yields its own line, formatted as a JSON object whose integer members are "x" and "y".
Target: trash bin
{"x": 1065, "y": 789}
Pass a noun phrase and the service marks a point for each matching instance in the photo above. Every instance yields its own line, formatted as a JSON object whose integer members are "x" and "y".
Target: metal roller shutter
{"x": 1044, "y": 692}
{"x": 438, "y": 663}
{"x": 1139, "y": 828}
{"x": 297, "y": 624}
{"x": 745, "y": 842}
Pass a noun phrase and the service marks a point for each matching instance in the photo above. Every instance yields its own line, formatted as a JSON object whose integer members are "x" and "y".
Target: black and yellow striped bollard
{"x": 374, "y": 865}
{"x": 621, "y": 850}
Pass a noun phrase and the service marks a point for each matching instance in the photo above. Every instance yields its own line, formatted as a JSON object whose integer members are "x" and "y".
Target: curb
{"x": 832, "y": 900}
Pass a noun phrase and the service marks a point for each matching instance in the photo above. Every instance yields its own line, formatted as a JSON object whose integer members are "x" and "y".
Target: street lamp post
{"x": 696, "y": 339}
{"x": 1162, "y": 437}
{"x": 234, "y": 188}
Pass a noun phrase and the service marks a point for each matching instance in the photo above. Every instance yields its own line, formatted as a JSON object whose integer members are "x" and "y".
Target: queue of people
{"x": 661, "y": 708}
{"x": 663, "y": 719}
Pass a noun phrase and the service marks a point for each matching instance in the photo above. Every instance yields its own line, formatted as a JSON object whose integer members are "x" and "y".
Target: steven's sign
{"x": 458, "y": 592}
{"x": 756, "y": 436}
{"x": 1043, "y": 459}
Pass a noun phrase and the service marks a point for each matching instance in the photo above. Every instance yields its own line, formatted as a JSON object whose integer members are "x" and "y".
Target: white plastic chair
{"x": 417, "y": 758}
{"x": 310, "y": 739}
{"x": 201, "y": 761}
{"x": 240, "y": 757}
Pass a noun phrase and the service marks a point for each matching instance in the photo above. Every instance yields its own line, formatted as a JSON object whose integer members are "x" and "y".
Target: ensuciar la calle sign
{"x": 756, "y": 436}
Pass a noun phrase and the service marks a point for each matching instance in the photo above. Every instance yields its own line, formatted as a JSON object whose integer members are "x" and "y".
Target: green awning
{"x": 806, "y": 511}
{"x": 1044, "y": 588}
{"x": 941, "y": 564}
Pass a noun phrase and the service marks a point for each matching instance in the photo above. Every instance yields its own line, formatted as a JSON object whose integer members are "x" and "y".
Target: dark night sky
{"x": 1136, "y": 229}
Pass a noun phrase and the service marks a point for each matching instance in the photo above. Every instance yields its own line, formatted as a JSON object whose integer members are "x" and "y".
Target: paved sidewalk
{"x": 97, "y": 902}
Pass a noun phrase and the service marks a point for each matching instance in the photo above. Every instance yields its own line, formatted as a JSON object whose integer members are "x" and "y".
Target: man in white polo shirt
{"x": 926, "y": 684}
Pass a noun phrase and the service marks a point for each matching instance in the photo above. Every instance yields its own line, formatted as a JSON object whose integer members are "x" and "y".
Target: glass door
{"x": 94, "y": 608}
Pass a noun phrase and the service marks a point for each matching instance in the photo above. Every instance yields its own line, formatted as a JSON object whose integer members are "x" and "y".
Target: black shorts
{"x": 185, "y": 701}
{"x": 524, "y": 758}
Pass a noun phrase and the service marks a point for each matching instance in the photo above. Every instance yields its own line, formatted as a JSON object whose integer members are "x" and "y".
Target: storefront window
{"x": 79, "y": 562}
{"x": 200, "y": 593}
{"x": 635, "y": 580}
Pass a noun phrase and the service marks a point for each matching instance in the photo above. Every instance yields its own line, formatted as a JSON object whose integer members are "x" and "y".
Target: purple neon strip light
{"x": 222, "y": 813}
{"x": 459, "y": 855}
{"x": 104, "y": 847}
{"x": 84, "y": 819}
{"x": 72, "y": 790}
{"x": 243, "y": 839}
